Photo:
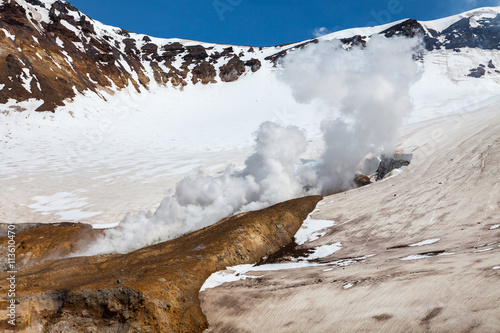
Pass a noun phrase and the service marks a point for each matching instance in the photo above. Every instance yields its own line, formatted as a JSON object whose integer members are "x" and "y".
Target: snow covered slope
{"x": 134, "y": 113}
{"x": 53, "y": 52}
{"x": 420, "y": 252}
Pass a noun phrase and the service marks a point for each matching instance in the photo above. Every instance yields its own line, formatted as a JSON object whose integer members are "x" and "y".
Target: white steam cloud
{"x": 367, "y": 91}
{"x": 269, "y": 177}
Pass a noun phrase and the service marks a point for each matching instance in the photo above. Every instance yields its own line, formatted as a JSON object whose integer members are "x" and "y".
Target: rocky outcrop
{"x": 62, "y": 53}
{"x": 409, "y": 28}
{"x": 232, "y": 70}
{"x": 204, "y": 72}
{"x": 357, "y": 40}
{"x": 477, "y": 72}
{"x": 37, "y": 241}
{"x": 53, "y": 60}
{"x": 154, "y": 289}
{"x": 254, "y": 64}
{"x": 276, "y": 58}
{"x": 27, "y": 226}
{"x": 472, "y": 32}
{"x": 482, "y": 34}
{"x": 362, "y": 180}
{"x": 389, "y": 163}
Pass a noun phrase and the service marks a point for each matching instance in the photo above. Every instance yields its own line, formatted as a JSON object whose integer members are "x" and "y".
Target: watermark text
{"x": 11, "y": 270}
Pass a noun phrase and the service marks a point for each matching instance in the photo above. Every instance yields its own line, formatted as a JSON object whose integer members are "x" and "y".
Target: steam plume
{"x": 366, "y": 90}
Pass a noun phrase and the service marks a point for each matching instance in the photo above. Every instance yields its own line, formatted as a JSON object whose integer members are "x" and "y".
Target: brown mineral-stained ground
{"x": 449, "y": 192}
{"x": 154, "y": 289}
{"x": 47, "y": 55}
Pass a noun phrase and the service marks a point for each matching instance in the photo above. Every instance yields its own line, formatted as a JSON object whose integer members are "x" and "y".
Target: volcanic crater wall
{"x": 53, "y": 53}
{"x": 153, "y": 289}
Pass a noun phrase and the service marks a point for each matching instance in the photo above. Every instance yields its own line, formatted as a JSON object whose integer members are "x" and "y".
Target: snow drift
{"x": 367, "y": 91}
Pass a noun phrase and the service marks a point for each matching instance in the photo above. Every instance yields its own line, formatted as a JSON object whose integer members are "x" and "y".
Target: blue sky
{"x": 262, "y": 22}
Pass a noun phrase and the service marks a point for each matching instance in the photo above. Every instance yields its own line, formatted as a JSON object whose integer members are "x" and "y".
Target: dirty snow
{"x": 236, "y": 273}
{"x": 426, "y": 242}
{"x": 230, "y": 274}
{"x": 424, "y": 256}
{"x": 312, "y": 230}
{"x": 484, "y": 250}
{"x": 324, "y": 251}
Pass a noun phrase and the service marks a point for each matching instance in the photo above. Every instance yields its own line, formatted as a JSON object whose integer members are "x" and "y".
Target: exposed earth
{"x": 154, "y": 289}
{"x": 433, "y": 231}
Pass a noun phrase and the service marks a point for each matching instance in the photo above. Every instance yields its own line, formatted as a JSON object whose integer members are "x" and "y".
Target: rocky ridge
{"x": 154, "y": 289}
{"x": 51, "y": 52}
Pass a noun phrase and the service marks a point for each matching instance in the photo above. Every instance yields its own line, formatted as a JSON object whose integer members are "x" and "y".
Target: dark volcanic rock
{"x": 195, "y": 53}
{"x": 130, "y": 48}
{"x": 36, "y": 3}
{"x": 389, "y": 163}
{"x": 170, "y": 51}
{"x": 232, "y": 70}
{"x": 123, "y": 32}
{"x": 203, "y": 72}
{"x": 77, "y": 59}
{"x": 275, "y": 58}
{"x": 27, "y": 226}
{"x": 254, "y": 64}
{"x": 477, "y": 72}
{"x": 176, "y": 46}
{"x": 86, "y": 26}
{"x": 13, "y": 15}
{"x": 409, "y": 28}
{"x": 485, "y": 34}
{"x": 176, "y": 78}
{"x": 354, "y": 41}
{"x": 149, "y": 48}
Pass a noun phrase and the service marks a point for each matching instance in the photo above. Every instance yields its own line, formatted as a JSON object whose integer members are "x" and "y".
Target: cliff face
{"x": 50, "y": 51}
{"x": 154, "y": 289}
